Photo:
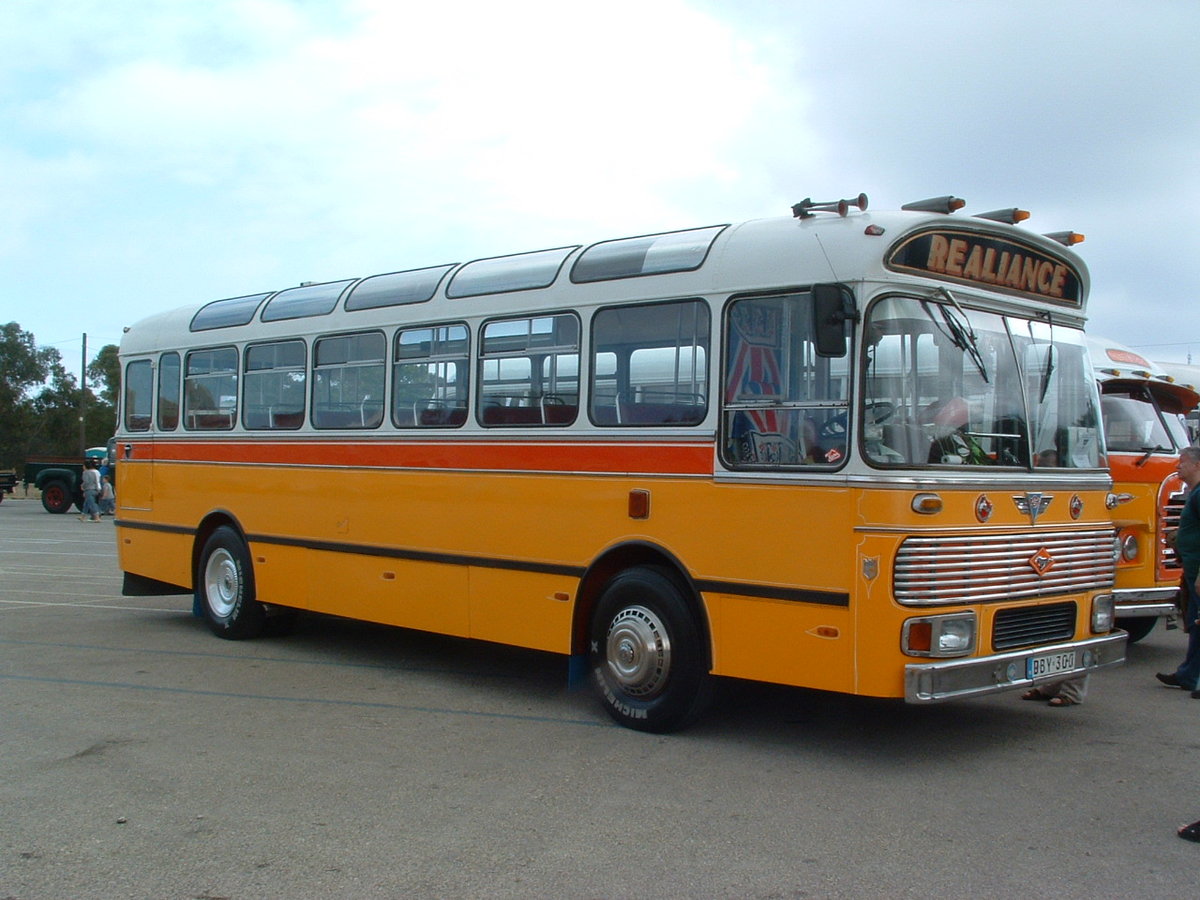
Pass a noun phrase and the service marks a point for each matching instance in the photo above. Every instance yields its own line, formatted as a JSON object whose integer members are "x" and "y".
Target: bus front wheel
{"x": 646, "y": 653}
{"x": 225, "y": 585}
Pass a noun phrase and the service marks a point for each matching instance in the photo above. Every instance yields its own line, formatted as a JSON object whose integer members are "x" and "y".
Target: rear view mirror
{"x": 833, "y": 306}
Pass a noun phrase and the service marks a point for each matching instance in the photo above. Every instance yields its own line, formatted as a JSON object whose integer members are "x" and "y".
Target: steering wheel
{"x": 876, "y": 413}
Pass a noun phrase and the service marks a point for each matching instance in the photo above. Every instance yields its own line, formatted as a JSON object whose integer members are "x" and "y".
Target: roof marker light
{"x": 1008, "y": 216}
{"x": 1066, "y": 238}
{"x": 947, "y": 204}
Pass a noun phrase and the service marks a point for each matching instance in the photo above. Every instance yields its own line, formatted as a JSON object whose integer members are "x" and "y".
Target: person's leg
{"x": 1188, "y": 673}
{"x": 1071, "y": 691}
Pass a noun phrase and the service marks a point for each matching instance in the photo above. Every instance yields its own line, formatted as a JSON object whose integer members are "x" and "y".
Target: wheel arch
{"x": 629, "y": 555}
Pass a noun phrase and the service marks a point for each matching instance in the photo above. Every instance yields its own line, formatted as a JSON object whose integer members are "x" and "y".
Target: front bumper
{"x": 953, "y": 678}
{"x": 1133, "y": 603}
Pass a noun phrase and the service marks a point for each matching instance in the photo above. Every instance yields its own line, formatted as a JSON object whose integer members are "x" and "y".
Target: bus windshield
{"x": 1133, "y": 422}
{"x": 952, "y": 386}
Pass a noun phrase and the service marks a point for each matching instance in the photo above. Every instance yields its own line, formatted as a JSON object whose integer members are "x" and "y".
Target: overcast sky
{"x": 155, "y": 153}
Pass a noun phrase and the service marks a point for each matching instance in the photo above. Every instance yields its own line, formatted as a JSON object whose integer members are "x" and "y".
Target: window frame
{"x": 215, "y": 412}
{"x": 316, "y": 411}
{"x": 291, "y": 424}
{"x": 526, "y": 414}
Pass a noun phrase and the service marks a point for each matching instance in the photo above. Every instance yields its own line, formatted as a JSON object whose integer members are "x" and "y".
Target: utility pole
{"x": 83, "y": 399}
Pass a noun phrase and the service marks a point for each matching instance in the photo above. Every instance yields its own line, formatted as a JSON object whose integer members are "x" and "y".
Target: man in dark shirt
{"x": 1187, "y": 546}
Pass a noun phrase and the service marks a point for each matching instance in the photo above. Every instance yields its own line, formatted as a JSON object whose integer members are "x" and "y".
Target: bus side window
{"x": 210, "y": 389}
{"x": 168, "y": 392}
{"x": 274, "y": 385}
{"x": 650, "y": 364}
{"x": 785, "y": 403}
{"x": 529, "y": 371}
{"x": 138, "y": 395}
{"x": 430, "y": 377}
{"x": 348, "y": 380}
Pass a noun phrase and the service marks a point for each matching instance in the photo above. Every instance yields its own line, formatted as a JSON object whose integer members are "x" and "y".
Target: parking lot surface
{"x": 142, "y": 757}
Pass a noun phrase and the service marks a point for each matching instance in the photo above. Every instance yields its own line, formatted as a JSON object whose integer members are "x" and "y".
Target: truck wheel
{"x": 647, "y": 654}
{"x": 56, "y": 497}
{"x": 225, "y": 587}
{"x": 1137, "y": 627}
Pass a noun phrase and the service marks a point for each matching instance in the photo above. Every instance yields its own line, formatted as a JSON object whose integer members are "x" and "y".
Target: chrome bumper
{"x": 1134, "y": 603}
{"x": 953, "y": 678}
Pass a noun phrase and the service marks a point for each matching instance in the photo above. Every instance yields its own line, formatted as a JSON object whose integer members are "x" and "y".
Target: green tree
{"x": 39, "y": 400}
{"x": 105, "y": 370}
{"x": 23, "y": 368}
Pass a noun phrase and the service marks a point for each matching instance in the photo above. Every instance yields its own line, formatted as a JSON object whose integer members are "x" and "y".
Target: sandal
{"x": 1062, "y": 701}
{"x": 1033, "y": 694}
{"x": 1190, "y": 832}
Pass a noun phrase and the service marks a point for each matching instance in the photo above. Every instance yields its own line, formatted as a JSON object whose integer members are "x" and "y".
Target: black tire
{"x": 56, "y": 497}
{"x": 225, "y": 587}
{"x": 1138, "y": 627}
{"x": 647, "y": 654}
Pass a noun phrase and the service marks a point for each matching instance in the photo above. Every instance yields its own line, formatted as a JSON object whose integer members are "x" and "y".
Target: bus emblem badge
{"x": 1033, "y": 504}
{"x": 1041, "y": 562}
{"x": 983, "y": 508}
{"x": 1076, "y": 506}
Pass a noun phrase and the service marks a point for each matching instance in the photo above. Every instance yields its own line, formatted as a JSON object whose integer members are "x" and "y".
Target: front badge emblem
{"x": 1033, "y": 504}
{"x": 1041, "y": 562}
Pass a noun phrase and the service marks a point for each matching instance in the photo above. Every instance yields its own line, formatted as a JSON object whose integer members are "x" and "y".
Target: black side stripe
{"x": 792, "y": 595}
{"x": 736, "y": 588}
{"x": 450, "y": 559}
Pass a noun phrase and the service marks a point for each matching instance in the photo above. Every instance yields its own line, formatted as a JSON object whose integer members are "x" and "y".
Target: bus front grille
{"x": 1168, "y": 521}
{"x": 1027, "y": 626}
{"x": 990, "y": 568}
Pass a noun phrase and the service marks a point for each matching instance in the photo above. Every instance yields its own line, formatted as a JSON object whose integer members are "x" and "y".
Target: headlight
{"x": 949, "y": 635}
{"x": 1129, "y": 547}
{"x": 1103, "y": 616}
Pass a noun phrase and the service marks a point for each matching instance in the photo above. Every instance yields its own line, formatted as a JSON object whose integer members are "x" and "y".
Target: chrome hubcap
{"x": 221, "y": 583}
{"x": 638, "y": 651}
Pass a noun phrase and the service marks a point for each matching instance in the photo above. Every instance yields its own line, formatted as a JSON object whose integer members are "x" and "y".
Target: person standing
{"x": 90, "y": 485}
{"x": 1187, "y": 548}
{"x": 108, "y": 500}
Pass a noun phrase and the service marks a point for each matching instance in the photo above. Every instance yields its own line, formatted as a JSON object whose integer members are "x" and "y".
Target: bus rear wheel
{"x": 225, "y": 587}
{"x": 646, "y": 653}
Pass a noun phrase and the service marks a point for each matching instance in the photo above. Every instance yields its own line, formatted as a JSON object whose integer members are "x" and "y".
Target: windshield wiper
{"x": 1150, "y": 451}
{"x": 1047, "y": 373}
{"x": 963, "y": 335}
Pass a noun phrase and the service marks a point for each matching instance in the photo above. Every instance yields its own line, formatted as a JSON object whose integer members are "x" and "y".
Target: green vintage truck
{"x": 59, "y": 478}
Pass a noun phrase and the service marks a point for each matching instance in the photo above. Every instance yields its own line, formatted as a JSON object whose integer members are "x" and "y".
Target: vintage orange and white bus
{"x": 1143, "y": 410}
{"x": 858, "y": 452}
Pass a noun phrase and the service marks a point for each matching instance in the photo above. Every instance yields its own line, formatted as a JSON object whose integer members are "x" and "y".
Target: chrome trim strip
{"x": 1144, "y": 610}
{"x": 1146, "y": 595}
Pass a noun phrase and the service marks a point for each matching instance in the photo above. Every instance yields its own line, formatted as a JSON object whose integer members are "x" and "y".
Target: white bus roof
{"x": 1115, "y": 363}
{"x": 1029, "y": 272}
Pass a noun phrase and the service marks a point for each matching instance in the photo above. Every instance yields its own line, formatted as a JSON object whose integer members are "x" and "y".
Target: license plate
{"x": 1051, "y": 664}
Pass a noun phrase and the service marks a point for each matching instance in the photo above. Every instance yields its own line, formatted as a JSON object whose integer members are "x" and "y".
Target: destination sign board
{"x": 989, "y": 261}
